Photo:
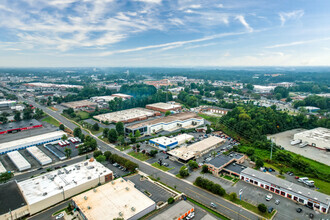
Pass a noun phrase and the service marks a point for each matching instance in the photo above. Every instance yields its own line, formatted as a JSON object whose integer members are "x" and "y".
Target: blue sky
{"x": 174, "y": 33}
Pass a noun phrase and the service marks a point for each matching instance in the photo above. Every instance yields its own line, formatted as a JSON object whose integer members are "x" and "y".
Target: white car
{"x": 269, "y": 197}
{"x": 60, "y": 216}
{"x": 190, "y": 216}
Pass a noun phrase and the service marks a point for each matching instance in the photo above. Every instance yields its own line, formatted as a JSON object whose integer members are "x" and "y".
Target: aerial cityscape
{"x": 164, "y": 109}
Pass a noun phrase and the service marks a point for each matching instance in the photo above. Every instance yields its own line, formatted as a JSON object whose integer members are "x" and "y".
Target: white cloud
{"x": 219, "y": 6}
{"x": 244, "y": 23}
{"x": 150, "y": 1}
{"x": 297, "y": 43}
{"x": 201, "y": 45}
{"x": 293, "y": 15}
{"x": 227, "y": 54}
{"x": 195, "y": 6}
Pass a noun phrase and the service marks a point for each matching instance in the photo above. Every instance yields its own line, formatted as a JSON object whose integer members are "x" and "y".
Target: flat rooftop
{"x": 20, "y": 162}
{"x": 32, "y": 139}
{"x": 163, "y": 105}
{"x": 47, "y": 185}
{"x": 2, "y": 168}
{"x": 318, "y": 134}
{"x": 77, "y": 104}
{"x": 125, "y": 115}
{"x": 19, "y": 124}
{"x": 167, "y": 140}
{"x": 39, "y": 155}
{"x": 116, "y": 199}
{"x": 234, "y": 167}
{"x": 307, "y": 192}
{"x": 175, "y": 212}
{"x": 10, "y": 190}
{"x": 222, "y": 159}
{"x": 188, "y": 152}
{"x": 171, "y": 118}
{"x": 51, "y": 85}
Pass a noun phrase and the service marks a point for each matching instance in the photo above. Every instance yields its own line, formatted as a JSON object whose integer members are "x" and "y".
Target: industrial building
{"x": 164, "y": 107}
{"x": 2, "y": 168}
{"x": 227, "y": 164}
{"x": 179, "y": 211}
{"x": 128, "y": 115}
{"x": 310, "y": 109}
{"x": 59, "y": 154}
{"x": 40, "y": 156}
{"x": 19, "y": 126}
{"x": 49, "y": 189}
{"x": 12, "y": 203}
{"x": 101, "y": 99}
{"x": 186, "y": 153}
{"x": 30, "y": 141}
{"x": 118, "y": 199}
{"x": 317, "y": 137}
{"x": 120, "y": 95}
{"x": 169, "y": 123}
{"x": 214, "y": 109}
{"x": 49, "y": 86}
{"x": 6, "y": 104}
{"x": 165, "y": 143}
{"x": 307, "y": 196}
{"x": 80, "y": 105}
{"x": 20, "y": 162}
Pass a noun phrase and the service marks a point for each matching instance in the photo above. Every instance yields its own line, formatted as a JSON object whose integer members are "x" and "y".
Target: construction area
{"x": 80, "y": 105}
{"x": 127, "y": 116}
{"x": 285, "y": 138}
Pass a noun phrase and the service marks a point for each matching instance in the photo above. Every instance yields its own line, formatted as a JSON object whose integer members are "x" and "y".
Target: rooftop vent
{"x": 94, "y": 190}
{"x": 127, "y": 188}
{"x": 120, "y": 214}
{"x": 133, "y": 209}
{"x": 88, "y": 207}
{"x": 299, "y": 192}
{"x": 44, "y": 194}
{"x": 85, "y": 197}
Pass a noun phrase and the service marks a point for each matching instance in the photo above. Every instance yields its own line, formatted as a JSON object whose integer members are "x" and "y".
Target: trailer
{"x": 40, "y": 156}
{"x": 20, "y": 162}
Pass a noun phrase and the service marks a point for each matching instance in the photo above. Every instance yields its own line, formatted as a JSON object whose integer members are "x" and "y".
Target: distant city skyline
{"x": 164, "y": 33}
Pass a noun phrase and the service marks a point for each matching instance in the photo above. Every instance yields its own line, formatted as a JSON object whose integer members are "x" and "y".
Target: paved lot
{"x": 158, "y": 194}
{"x": 284, "y": 138}
{"x": 115, "y": 170}
{"x": 91, "y": 121}
{"x": 72, "y": 146}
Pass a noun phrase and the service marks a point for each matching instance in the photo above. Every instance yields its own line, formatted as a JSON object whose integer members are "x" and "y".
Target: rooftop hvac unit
{"x": 120, "y": 214}
{"x": 112, "y": 182}
{"x": 85, "y": 197}
{"x": 44, "y": 194}
{"x": 88, "y": 207}
{"x": 94, "y": 190}
{"x": 133, "y": 209}
{"x": 127, "y": 188}
{"x": 89, "y": 177}
{"x": 86, "y": 163}
{"x": 122, "y": 180}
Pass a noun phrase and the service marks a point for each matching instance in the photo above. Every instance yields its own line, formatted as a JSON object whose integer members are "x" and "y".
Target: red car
{"x": 296, "y": 177}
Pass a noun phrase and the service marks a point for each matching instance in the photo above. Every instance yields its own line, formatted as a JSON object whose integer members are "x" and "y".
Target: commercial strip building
{"x": 186, "y": 153}
{"x": 227, "y": 164}
{"x": 49, "y": 189}
{"x": 19, "y": 126}
{"x": 169, "y": 123}
{"x": 164, "y": 107}
{"x": 40, "y": 156}
{"x": 317, "y": 137}
{"x": 20, "y": 162}
{"x": 117, "y": 199}
{"x": 30, "y": 141}
{"x": 80, "y": 105}
{"x": 319, "y": 201}
{"x": 128, "y": 115}
{"x": 165, "y": 143}
{"x": 177, "y": 212}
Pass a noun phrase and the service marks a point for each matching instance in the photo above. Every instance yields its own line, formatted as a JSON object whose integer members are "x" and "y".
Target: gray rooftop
{"x": 10, "y": 190}
{"x": 234, "y": 167}
{"x": 175, "y": 211}
{"x": 19, "y": 124}
{"x": 306, "y": 192}
{"x": 222, "y": 159}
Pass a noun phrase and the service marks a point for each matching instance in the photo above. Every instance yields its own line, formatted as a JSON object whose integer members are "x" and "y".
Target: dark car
{"x": 64, "y": 165}
{"x": 299, "y": 210}
{"x": 270, "y": 209}
{"x": 56, "y": 168}
{"x": 40, "y": 168}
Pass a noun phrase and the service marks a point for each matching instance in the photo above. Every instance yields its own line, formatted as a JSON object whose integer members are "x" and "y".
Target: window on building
{"x": 262, "y": 185}
{"x": 277, "y": 191}
{"x": 272, "y": 189}
{"x": 302, "y": 201}
{"x": 289, "y": 196}
{"x": 267, "y": 187}
{"x": 282, "y": 193}
{"x": 251, "y": 181}
{"x": 295, "y": 198}
{"x": 255, "y": 182}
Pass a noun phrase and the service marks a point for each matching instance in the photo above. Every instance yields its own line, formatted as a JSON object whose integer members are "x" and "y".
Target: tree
{"x": 132, "y": 138}
{"x": 153, "y": 153}
{"x": 138, "y": 148}
{"x": 105, "y": 132}
{"x": 220, "y": 94}
{"x": 120, "y": 128}
{"x": 259, "y": 163}
{"x": 137, "y": 134}
{"x": 262, "y": 208}
{"x": 107, "y": 154}
{"x": 77, "y": 132}
{"x": 205, "y": 169}
{"x": 17, "y": 116}
{"x": 61, "y": 127}
{"x": 64, "y": 137}
{"x": 232, "y": 196}
{"x": 184, "y": 171}
{"x": 4, "y": 177}
{"x": 208, "y": 129}
{"x": 121, "y": 140}
{"x": 192, "y": 164}
{"x": 170, "y": 200}
{"x": 97, "y": 153}
{"x": 67, "y": 152}
{"x": 113, "y": 135}
{"x": 96, "y": 127}
{"x": 100, "y": 158}
{"x": 167, "y": 113}
{"x": 250, "y": 152}
{"x": 249, "y": 86}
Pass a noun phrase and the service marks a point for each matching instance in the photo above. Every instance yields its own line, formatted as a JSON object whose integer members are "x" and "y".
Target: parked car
{"x": 59, "y": 216}
{"x": 296, "y": 177}
{"x": 56, "y": 168}
{"x": 270, "y": 209}
{"x": 299, "y": 210}
{"x": 64, "y": 165}
{"x": 165, "y": 164}
{"x": 269, "y": 197}
{"x": 277, "y": 202}
{"x": 190, "y": 216}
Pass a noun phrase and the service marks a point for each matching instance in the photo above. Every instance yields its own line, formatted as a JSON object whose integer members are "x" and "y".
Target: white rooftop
{"x": 20, "y": 162}
{"x": 124, "y": 115}
{"x": 57, "y": 181}
{"x": 39, "y": 155}
{"x": 163, "y": 105}
{"x": 167, "y": 140}
{"x": 39, "y": 84}
{"x": 2, "y": 168}
{"x": 319, "y": 134}
{"x": 116, "y": 199}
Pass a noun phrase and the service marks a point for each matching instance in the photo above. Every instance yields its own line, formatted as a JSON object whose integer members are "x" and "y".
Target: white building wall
{"x": 143, "y": 213}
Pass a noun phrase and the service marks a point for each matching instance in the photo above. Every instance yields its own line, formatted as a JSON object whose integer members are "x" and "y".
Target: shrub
{"x": 170, "y": 200}
{"x": 97, "y": 153}
{"x": 232, "y": 196}
{"x": 262, "y": 208}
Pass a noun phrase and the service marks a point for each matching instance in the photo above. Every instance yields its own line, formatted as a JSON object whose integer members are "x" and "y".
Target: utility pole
{"x": 271, "y": 149}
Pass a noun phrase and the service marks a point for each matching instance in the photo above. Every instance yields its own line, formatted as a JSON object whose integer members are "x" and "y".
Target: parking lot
{"x": 155, "y": 192}
{"x": 117, "y": 171}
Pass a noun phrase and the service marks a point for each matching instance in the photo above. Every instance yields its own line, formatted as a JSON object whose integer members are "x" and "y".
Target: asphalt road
{"x": 223, "y": 206}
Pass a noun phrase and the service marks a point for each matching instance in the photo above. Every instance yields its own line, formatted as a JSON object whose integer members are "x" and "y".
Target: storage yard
{"x": 40, "y": 156}
{"x": 20, "y": 162}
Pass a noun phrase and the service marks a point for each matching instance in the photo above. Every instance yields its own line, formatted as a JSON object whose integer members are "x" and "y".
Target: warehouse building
{"x": 214, "y": 109}
{"x": 40, "y": 156}
{"x": 80, "y": 105}
{"x": 186, "y": 153}
{"x": 169, "y": 123}
{"x": 15, "y": 207}
{"x": 7, "y": 104}
{"x": 165, "y": 143}
{"x": 52, "y": 148}
{"x": 49, "y": 189}
{"x": 120, "y": 95}
{"x": 314, "y": 199}
{"x": 118, "y": 199}
{"x": 227, "y": 164}
{"x": 164, "y": 107}
{"x": 20, "y": 162}
{"x": 179, "y": 211}
{"x": 51, "y": 86}
{"x": 2, "y": 168}
{"x": 317, "y": 137}
{"x": 30, "y": 141}
{"x": 101, "y": 99}
{"x": 19, "y": 126}
{"x": 128, "y": 115}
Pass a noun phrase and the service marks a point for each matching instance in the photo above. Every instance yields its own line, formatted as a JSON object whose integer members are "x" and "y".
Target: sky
{"x": 164, "y": 33}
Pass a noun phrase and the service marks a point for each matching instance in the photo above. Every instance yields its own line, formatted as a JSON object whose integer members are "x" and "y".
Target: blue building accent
{"x": 164, "y": 147}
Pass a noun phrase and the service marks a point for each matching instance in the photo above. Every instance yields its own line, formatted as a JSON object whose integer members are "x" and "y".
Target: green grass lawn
{"x": 228, "y": 177}
{"x": 123, "y": 148}
{"x": 163, "y": 168}
{"x": 324, "y": 187}
{"x": 139, "y": 155}
{"x": 51, "y": 120}
{"x": 83, "y": 115}
{"x": 96, "y": 132}
{"x": 209, "y": 118}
